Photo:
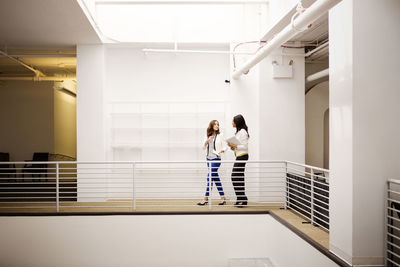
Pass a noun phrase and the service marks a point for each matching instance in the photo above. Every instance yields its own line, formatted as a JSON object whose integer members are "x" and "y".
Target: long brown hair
{"x": 210, "y": 129}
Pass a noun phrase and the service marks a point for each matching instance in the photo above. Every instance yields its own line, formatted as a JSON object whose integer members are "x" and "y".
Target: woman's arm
{"x": 224, "y": 145}
{"x": 207, "y": 140}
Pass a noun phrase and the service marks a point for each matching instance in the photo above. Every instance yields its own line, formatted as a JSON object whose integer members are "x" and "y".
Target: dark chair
{"x": 37, "y": 170}
{"x": 7, "y": 170}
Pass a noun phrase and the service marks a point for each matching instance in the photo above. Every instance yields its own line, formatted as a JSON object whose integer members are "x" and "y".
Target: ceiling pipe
{"x": 318, "y": 75}
{"x": 149, "y": 50}
{"x": 181, "y": 2}
{"x": 312, "y": 13}
{"x": 37, "y": 72}
{"x": 38, "y": 78}
{"x": 316, "y": 49}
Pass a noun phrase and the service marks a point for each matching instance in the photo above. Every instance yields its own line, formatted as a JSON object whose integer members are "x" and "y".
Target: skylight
{"x": 170, "y": 21}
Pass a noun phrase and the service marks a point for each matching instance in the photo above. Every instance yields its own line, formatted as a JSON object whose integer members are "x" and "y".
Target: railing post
{"x": 57, "y": 188}
{"x": 133, "y": 187}
{"x": 312, "y": 196}
{"x": 209, "y": 165}
{"x": 387, "y": 187}
{"x": 286, "y": 186}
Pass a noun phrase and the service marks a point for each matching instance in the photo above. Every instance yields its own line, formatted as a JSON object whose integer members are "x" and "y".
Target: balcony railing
{"x": 393, "y": 223}
{"x": 160, "y": 186}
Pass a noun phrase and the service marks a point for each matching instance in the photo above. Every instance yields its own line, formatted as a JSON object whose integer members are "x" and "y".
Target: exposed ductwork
{"x": 38, "y": 78}
{"x": 315, "y": 11}
{"x": 37, "y": 72}
{"x": 317, "y": 75}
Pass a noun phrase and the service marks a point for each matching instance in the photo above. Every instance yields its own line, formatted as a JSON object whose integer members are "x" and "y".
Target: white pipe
{"x": 317, "y": 49}
{"x": 315, "y": 11}
{"x": 318, "y": 75}
{"x": 194, "y": 51}
{"x": 38, "y": 79}
{"x": 181, "y": 2}
{"x": 37, "y": 72}
{"x": 149, "y": 50}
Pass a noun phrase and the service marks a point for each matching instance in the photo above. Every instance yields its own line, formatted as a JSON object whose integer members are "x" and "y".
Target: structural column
{"x": 364, "y": 124}
{"x": 89, "y": 103}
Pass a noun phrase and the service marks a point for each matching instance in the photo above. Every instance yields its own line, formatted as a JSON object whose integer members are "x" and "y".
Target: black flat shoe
{"x": 202, "y": 203}
{"x": 222, "y": 203}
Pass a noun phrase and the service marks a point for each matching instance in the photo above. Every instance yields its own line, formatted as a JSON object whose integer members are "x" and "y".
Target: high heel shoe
{"x": 222, "y": 203}
{"x": 238, "y": 204}
{"x": 202, "y": 203}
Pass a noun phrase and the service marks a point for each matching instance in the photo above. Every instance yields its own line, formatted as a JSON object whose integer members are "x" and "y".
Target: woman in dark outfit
{"x": 242, "y": 154}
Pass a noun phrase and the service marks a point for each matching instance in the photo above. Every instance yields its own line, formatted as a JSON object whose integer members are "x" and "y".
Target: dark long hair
{"x": 210, "y": 129}
{"x": 240, "y": 124}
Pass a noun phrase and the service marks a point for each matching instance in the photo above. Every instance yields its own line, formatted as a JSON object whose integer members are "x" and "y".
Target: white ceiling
{"x": 44, "y": 23}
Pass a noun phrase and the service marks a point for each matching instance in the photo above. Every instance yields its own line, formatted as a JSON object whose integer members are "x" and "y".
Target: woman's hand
{"x": 232, "y": 146}
{"x": 208, "y": 141}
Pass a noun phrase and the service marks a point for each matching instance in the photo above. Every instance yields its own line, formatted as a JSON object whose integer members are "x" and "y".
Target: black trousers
{"x": 238, "y": 178}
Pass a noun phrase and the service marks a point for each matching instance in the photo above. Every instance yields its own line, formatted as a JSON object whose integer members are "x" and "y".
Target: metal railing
{"x": 307, "y": 192}
{"x": 392, "y": 255}
{"x": 145, "y": 186}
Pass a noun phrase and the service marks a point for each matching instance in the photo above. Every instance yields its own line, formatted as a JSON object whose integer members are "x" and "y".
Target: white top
{"x": 243, "y": 138}
{"x": 220, "y": 144}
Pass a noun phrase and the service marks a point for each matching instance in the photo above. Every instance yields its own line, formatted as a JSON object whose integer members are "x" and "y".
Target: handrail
{"x": 71, "y": 186}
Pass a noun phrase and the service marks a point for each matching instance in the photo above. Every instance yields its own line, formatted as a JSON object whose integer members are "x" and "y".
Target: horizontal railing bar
{"x": 393, "y": 200}
{"x": 392, "y": 262}
{"x": 394, "y": 227}
{"x": 326, "y": 216}
{"x": 13, "y": 192}
{"x": 309, "y": 201}
{"x": 30, "y": 207}
{"x": 320, "y": 225}
{"x": 28, "y": 197}
{"x": 394, "y": 181}
{"x": 309, "y": 184}
{"x": 308, "y": 178}
{"x": 290, "y": 203}
{"x": 311, "y": 174}
{"x": 307, "y": 166}
{"x": 26, "y": 202}
{"x": 398, "y": 238}
{"x": 393, "y": 218}
{"x": 392, "y": 244}
{"x": 391, "y": 252}
{"x": 315, "y": 193}
{"x": 396, "y": 210}
{"x": 395, "y": 192}
{"x": 288, "y": 191}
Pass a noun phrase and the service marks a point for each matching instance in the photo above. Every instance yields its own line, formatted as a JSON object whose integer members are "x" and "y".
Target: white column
{"x": 89, "y": 103}
{"x": 364, "y": 129}
{"x": 282, "y": 109}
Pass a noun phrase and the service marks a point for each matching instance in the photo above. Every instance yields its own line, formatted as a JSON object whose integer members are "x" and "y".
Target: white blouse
{"x": 220, "y": 144}
{"x": 243, "y": 138}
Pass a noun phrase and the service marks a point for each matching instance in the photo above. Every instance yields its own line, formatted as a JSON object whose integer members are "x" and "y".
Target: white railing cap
{"x": 395, "y": 181}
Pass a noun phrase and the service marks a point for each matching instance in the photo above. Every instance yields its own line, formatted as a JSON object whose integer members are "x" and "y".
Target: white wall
{"x": 172, "y": 98}
{"x": 317, "y": 103}
{"x": 282, "y": 110}
{"x": 64, "y": 124}
{"x": 26, "y": 115}
{"x": 364, "y": 136}
{"x": 89, "y": 103}
{"x": 189, "y": 240}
